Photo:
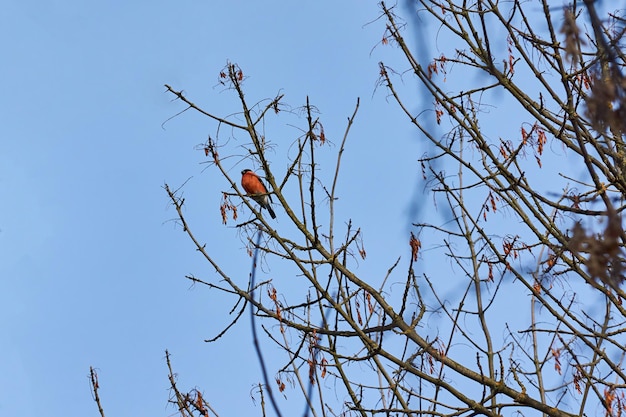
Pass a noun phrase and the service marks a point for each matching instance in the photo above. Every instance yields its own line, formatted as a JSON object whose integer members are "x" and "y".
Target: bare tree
{"x": 532, "y": 229}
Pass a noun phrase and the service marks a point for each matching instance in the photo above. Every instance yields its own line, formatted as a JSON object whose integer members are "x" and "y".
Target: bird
{"x": 256, "y": 189}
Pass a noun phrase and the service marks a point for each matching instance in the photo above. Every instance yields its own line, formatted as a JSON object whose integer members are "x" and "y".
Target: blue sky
{"x": 92, "y": 270}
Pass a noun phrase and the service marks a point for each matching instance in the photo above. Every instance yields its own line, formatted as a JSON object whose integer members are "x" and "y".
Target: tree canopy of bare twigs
{"x": 532, "y": 238}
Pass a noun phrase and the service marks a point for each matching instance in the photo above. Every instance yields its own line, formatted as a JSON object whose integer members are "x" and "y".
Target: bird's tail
{"x": 271, "y": 211}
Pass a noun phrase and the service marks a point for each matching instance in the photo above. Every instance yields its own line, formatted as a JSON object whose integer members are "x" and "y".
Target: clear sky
{"x": 91, "y": 269}
{"x": 92, "y": 265}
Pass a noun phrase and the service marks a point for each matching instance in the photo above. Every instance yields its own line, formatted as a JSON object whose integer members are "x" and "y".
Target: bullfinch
{"x": 256, "y": 189}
